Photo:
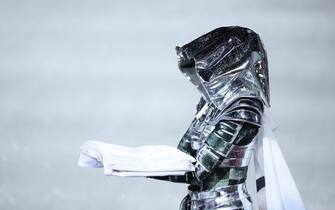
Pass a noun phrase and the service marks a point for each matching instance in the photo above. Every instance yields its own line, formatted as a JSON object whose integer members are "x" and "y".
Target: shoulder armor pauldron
{"x": 245, "y": 110}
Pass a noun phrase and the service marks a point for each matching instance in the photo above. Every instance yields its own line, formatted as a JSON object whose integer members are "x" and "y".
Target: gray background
{"x": 71, "y": 71}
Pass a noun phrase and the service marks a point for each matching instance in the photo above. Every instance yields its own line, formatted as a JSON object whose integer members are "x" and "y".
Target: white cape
{"x": 280, "y": 191}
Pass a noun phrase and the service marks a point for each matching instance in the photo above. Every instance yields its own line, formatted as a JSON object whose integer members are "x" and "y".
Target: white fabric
{"x": 281, "y": 192}
{"x": 118, "y": 160}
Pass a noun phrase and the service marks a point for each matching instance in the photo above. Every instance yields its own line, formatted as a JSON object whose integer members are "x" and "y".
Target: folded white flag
{"x": 119, "y": 160}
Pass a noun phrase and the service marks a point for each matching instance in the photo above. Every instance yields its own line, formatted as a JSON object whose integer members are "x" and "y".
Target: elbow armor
{"x": 229, "y": 144}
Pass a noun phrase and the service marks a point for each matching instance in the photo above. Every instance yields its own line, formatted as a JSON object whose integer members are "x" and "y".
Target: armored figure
{"x": 229, "y": 68}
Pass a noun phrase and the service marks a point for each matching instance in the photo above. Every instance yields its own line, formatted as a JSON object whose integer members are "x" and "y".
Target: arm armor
{"x": 186, "y": 141}
{"x": 238, "y": 127}
{"x": 185, "y": 144}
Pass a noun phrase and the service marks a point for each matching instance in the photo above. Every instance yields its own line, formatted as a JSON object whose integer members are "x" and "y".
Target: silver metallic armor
{"x": 229, "y": 68}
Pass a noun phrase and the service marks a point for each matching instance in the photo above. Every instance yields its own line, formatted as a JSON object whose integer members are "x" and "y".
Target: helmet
{"x": 225, "y": 64}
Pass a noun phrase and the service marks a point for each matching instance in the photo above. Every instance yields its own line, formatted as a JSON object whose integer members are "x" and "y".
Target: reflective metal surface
{"x": 228, "y": 66}
{"x": 239, "y": 156}
{"x": 224, "y": 198}
{"x": 226, "y": 63}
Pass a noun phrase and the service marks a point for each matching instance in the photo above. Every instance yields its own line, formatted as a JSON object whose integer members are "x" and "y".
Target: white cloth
{"x": 119, "y": 160}
{"x": 280, "y": 191}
